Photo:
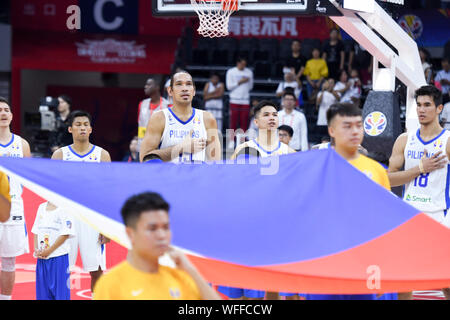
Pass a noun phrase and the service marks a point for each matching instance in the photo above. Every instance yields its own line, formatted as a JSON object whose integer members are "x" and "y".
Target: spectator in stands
{"x": 316, "y": 70}
{"x": 445, "y": 116}
{"x": 239, "y": 81}
{"x": 147, "y": 107}
{"x": 285, "y": 133}
{"x": 252, "y": 132}
{"x": 289, "y": 82}
{"x": 295, "y": 63}
{"x": 61, "y": 137}
{"x": 426, "y": 66}
{"x": 133, "y": 154}
{"x": 349, "y": 90}
{"x": 213, "y": 97}
{"x": 443, "y": 77}
{"x": 295, "y": 119}
{"x": 325, "y": 99}
{"x": 333, "y": 53}
{"x": 361, "y": 60}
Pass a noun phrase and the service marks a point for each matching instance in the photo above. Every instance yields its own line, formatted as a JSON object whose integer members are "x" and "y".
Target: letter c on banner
{"x": 98, "y": 15}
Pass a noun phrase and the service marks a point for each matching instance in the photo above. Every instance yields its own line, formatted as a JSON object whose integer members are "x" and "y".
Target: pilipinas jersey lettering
{"x": 14, "y": 149}
{"x": 429, "y": 192}
{"x": 175, "y": 131}
{"x": 279, "y": 150}
{"x": 94, "y": 155}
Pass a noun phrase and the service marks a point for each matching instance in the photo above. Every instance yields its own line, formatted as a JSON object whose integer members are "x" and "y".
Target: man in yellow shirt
{"x": 316, "y": 70}
{"x": 345, "y": 127}
{"x": 140, "y": 277}
{"x": 5, "y": 198}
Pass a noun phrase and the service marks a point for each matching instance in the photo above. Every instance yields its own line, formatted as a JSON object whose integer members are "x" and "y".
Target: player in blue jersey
{"x": 420, "y": 162}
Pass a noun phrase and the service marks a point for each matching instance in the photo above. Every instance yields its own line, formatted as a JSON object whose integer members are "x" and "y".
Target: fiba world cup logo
{"x": 438, "y": 144}
{"x": 412, "y": 25}
{"x": 375, "y": 123}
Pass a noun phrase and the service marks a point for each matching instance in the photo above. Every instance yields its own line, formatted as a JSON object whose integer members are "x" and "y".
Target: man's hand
{"x": 243, "y": 80}
{"x": 192, "y": 145}
{"x": 435, "y": 162}
{"x": 181, "y": 261}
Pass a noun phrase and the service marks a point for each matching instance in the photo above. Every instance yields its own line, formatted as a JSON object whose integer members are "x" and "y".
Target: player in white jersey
{"x": 267, "y": 143}
{"x": 90, "y": 241}
{"x": 425, "y": 155}
{"x": 182, "y": 133}
{"x": 13, "y": 232}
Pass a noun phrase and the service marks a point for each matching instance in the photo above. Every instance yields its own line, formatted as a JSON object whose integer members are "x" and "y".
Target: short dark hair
{"x": 431, "y": 91}
{"x": 4, "y": 100}
{"x": 249, "y": 151}
{"x": 76, "y": 114}
{"x": 286, "y": 128}
{"x": 66, "y": 98}
{"x": 139, "y": 203}
{"x": 180, "y": 71}
{"x": 289, "y": 92}
{"x": 342, "y": 109}
{"x": 262, "y": 104}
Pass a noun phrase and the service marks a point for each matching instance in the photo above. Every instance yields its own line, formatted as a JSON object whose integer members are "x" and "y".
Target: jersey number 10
{"x": 422, "y": 180}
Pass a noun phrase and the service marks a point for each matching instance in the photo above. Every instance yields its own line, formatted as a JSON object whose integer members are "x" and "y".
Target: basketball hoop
{"x": 214, "y": 16}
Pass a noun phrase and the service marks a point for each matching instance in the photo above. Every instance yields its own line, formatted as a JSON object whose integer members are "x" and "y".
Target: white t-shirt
{"x": 353, "y": 91}
{"x": 49, "y": 226}
{"x": 239, "y": 93}
{"x": 283, "y": 85}
{"x": 297, "y": 121}
{"x": 327, "y": 100}
{"x": 443, "y": 75}
{"x": 445, "y": 114}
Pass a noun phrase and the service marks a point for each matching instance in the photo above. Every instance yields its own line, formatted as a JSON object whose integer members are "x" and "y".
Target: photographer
{"x": 61, "y": 137}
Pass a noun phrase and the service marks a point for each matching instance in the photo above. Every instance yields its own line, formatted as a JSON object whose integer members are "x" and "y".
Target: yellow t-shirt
{"x": 316, "y": 69}
{"x": 372, "y": 169}
{"x": 4, "y": 186}
{"x": 124, "y": 282}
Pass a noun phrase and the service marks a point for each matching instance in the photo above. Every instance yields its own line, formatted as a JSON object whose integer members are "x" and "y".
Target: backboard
{"x": 252, "y": 7}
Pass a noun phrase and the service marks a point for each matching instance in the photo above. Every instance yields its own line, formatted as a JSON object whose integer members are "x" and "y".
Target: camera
{"x": 48, "y": 107}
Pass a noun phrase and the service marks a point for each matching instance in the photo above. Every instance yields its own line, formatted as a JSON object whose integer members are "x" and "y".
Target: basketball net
{"x": 214, "y": 16}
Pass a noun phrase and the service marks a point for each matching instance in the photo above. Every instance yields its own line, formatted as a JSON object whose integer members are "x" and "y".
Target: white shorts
{"x": 443, "y": 217}
{"x": 92, "y": 253}
{"x": 13, "y": 240}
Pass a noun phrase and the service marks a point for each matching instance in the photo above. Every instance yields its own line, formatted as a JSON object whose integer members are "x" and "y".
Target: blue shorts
{"x": 235, "y": 293}
{"x": 386, "y": 296}
{"x": 52, "y": 278}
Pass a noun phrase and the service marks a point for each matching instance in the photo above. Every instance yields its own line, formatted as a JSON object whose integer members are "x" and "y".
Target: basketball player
{"x": 267, "y": 143}
{"x": 425, "y": 155}
{"x": 13, "y": 232}
{"x": 148, "y": 106}
{"x": 182, "y": 133}
{"x": 91, "y": 243}
{"x": 345, "y": 127}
